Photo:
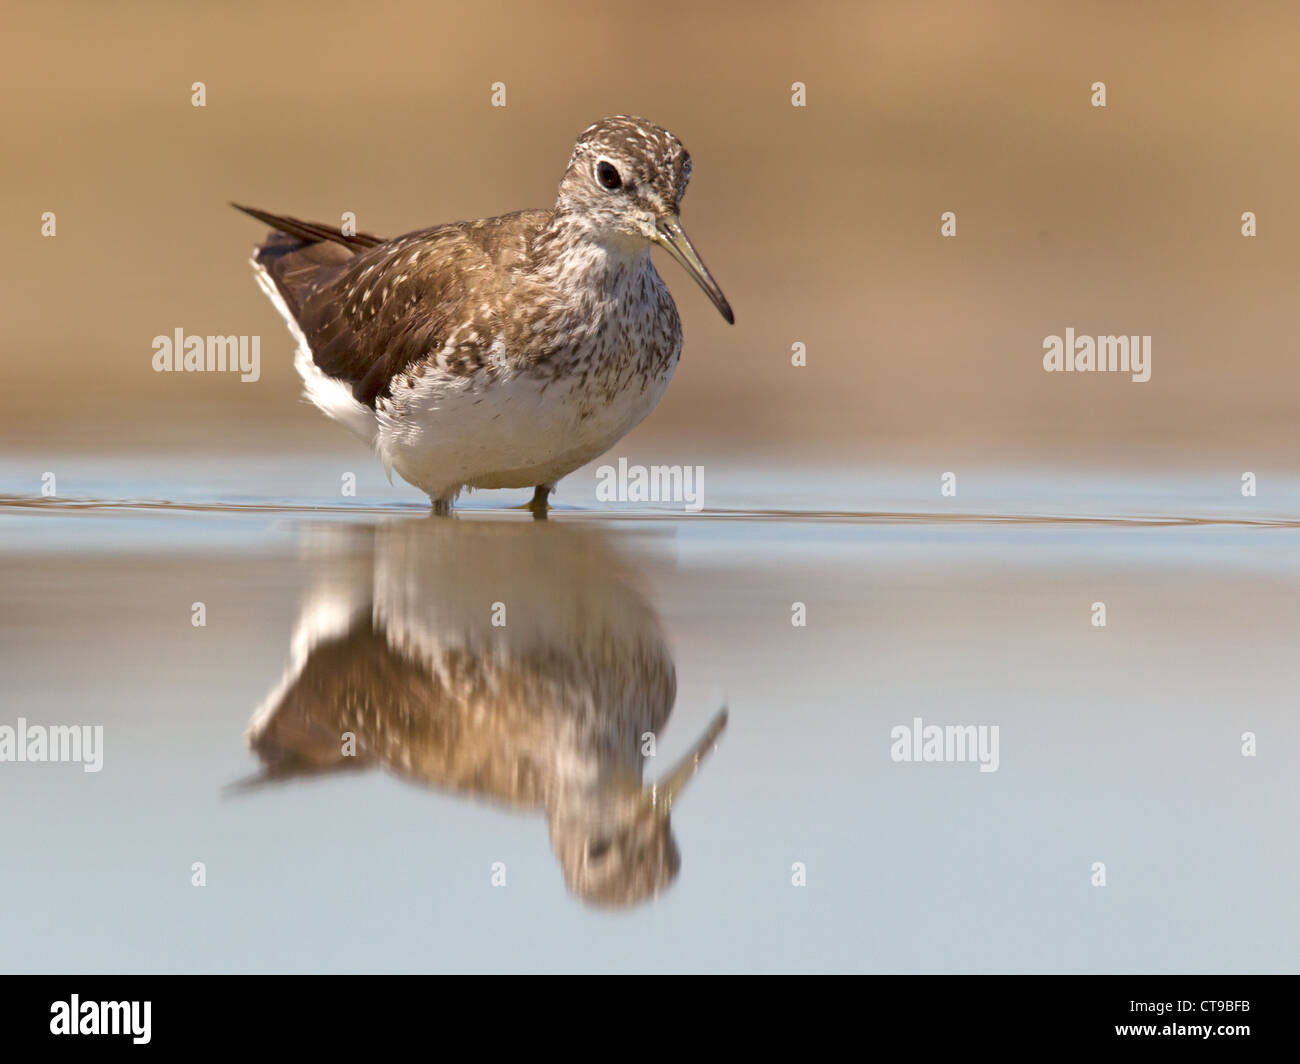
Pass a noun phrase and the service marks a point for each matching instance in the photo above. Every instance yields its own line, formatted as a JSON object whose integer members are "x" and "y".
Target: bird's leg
{"x": 441, "y": 507}
{"x": 539, "y": 506}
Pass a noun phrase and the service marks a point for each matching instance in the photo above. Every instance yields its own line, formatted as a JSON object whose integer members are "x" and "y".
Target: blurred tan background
{"x": 821, "y": 223}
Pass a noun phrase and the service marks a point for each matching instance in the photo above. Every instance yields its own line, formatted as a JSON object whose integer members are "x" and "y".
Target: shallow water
{"x": 513, "y": 750}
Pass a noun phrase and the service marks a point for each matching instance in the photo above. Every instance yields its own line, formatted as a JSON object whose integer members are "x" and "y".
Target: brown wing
{"x": 370, "y": 312}
{"x": 436, "y": 727}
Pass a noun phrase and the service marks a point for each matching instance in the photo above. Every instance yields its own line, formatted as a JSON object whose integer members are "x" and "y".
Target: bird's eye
{"x": 608, "y": 176}
{"x": 598, "y": 848}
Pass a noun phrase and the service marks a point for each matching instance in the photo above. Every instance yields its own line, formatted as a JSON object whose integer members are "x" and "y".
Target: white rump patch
{"x": 333, "y": 397}
{"x": 328, "y": 614}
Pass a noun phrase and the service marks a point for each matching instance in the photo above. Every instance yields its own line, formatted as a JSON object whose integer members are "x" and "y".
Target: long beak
{"x": 662, "y": 793}
{"x": 670, "y": 236}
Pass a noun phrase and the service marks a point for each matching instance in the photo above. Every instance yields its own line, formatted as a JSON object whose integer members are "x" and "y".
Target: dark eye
{"x": 599, "y": 847}
{"x": 608, "y": 176}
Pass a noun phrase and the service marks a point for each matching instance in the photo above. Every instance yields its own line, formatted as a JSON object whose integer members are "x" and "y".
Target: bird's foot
{"x": 539, "y": 506}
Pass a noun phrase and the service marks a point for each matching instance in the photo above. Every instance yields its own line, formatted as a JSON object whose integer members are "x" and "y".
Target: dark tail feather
{"x": 310, "y": 232}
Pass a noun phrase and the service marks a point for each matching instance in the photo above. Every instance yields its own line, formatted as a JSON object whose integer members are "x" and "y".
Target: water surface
{"x": 516, "y": 749}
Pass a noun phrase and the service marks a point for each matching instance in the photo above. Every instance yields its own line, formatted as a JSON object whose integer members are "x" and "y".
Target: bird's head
{"x": 626, "y": 179}
{"x": 616, "y": 845}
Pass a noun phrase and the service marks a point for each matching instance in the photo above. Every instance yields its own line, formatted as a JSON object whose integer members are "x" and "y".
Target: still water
{"x": 399, "y": 743}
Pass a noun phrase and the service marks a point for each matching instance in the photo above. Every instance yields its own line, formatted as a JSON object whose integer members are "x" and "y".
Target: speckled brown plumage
{"x": 396, "y": 647}
{"x": 554, "y": 321}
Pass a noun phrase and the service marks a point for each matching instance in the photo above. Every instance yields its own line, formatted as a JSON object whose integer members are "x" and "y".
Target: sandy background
{"x": 822, "y": 224}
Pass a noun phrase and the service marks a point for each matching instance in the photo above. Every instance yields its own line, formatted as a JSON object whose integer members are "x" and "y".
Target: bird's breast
{"x": 572, "y": 377}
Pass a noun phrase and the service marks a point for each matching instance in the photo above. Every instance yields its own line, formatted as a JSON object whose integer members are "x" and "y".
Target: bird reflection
{"x": 508, "y": 661}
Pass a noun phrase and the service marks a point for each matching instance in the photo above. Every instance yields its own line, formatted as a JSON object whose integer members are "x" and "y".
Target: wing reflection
{"x": 507, "y": 661}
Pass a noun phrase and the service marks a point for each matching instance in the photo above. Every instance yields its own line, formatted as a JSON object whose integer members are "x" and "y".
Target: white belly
{"x": 442, "y": 433}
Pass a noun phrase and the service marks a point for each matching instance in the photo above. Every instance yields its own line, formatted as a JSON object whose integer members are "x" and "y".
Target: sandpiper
{"x": 505, "y": 352}
{"x": 398, "y": 662}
